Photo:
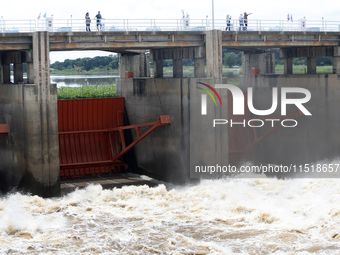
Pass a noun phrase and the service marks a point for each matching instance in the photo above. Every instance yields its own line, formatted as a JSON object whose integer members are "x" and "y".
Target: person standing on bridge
{"x": 246, "y": 20}
{"x": 303, "y": 23}
{"x": 99, "y": 18}
{"x": 88, "y": 22}
{"x": 228, "y": 22}
{"x": 241, "y": 20}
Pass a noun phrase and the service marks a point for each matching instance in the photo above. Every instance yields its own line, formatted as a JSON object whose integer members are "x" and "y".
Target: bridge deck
{"x": 126, "y": 41}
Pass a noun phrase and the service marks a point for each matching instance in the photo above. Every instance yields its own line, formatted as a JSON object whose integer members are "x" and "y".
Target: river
{"x": 81, "y": 80}
{"x": 226, "y": 216}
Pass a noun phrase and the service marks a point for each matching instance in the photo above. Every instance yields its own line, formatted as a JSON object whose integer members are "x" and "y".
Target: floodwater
{"x": 82, "y": 80}
{"x": 229, "y": 216}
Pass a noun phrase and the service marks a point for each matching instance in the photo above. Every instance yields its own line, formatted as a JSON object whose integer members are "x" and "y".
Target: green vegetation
{"x": 109, "y": 65}
{"x": 96, "y": 91}
{"x": 232, "y": 59}
{"x": 302, "y": 69}
{"x": 94, "y": 65}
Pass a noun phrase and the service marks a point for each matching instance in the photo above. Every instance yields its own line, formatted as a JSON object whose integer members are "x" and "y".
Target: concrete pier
{"x": 170, "y": 152}
{"x": 29, "y": 154}
{"x": 262, "y": 60}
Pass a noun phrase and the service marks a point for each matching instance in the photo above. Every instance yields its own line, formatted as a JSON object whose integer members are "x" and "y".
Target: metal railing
{"x": 74, "y": 25}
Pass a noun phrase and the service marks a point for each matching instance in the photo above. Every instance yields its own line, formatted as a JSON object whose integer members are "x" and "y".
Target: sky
{"x": 160, "y": 9}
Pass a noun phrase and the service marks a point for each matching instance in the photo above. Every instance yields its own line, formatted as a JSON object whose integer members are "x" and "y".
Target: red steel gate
{"x": 83, "y": 149}
{"x": 91, "y": 135}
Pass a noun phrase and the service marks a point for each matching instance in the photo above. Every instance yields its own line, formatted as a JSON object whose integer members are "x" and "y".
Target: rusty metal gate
{"x": 91, "y": 135}
{"x": 84, "y": 148}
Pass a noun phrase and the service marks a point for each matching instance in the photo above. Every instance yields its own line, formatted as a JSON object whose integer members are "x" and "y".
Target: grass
{"x": 93, "y": 91}
{"x": 302, "y": 69}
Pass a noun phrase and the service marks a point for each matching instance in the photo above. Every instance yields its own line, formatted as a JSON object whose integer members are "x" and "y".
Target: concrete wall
{"x": 264, "y": 61}
{"x": 315, "y": 137}
{"x": 170, "y": 152}
{"x": 138, "y": 63}
{"x": 23, "y": 159}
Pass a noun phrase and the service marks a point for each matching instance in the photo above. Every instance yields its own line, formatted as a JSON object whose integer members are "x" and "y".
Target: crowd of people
{"x": 243, "y": 19}
{"x": 98, "y": 18}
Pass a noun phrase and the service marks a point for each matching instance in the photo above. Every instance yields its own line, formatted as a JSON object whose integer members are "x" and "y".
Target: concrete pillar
{"x": 42, "y": 128}
{"x": 214, "y": 53}
{"x": 6, "y": 73}
{"x": 336, "y": 65}
{"x": 30, "y": 73}
{"x": 29, "y": 155}
{"x": 264, "y": 61}
{"x": 18, "y": 73}
{"x": 1, "y": 70}
{"x": 135, "y": 62}
{"x": 288, "y": 65}
{"x": 177, "y": 65}
{"x": 199, "y": 68}
{"x": 311, "y": 65}
{"x": 158, "y": 68}
{"x": 336, "y": 60}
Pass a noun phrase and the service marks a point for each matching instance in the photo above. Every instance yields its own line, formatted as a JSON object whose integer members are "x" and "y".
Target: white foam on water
{"x": 226, "y": 216}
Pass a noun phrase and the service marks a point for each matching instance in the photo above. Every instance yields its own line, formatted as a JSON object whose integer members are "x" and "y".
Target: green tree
{"x": 230, "y": 59}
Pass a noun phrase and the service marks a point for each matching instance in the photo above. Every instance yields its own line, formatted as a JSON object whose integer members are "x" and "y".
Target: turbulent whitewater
{"x": 230, "y": 216}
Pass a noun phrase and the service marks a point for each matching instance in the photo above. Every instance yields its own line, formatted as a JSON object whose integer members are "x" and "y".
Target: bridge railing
{"x": 68, "y": 25}
{"x": 16, "y": 26}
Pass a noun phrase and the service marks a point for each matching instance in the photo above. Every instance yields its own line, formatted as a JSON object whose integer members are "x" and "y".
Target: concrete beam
{"x": 304, "y": 52}
{"x": 178, "y": 53}
{"x": 13, "y": 57}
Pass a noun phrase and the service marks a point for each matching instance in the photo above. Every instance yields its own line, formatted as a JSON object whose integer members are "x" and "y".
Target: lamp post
{"x": 213, "y": 17}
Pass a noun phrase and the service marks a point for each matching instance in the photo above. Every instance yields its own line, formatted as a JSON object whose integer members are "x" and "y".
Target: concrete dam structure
{"x": 29, "y": 150}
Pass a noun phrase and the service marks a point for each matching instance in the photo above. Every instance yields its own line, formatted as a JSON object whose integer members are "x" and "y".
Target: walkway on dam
{"x": 185, "y": 24}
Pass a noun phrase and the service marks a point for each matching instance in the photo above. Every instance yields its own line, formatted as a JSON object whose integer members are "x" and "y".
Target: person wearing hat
{"x": 87, "y": 22}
